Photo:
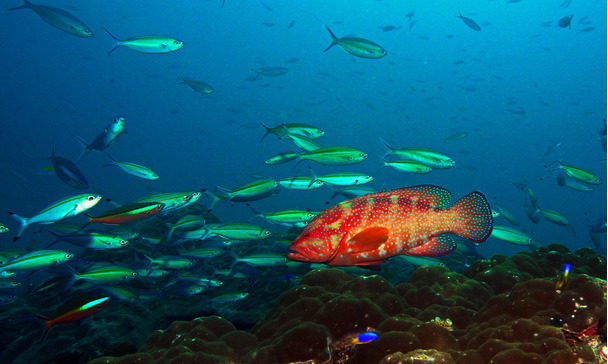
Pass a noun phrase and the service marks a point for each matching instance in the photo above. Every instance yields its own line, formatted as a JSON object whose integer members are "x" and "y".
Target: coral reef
{"x": 502, "y": 310}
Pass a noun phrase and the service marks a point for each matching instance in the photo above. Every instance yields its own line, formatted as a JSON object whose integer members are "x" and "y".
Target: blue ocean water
{"x": 517, "y": 87}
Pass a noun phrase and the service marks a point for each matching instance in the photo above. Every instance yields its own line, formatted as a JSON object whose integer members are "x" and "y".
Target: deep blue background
{"x": 56, "y": 86}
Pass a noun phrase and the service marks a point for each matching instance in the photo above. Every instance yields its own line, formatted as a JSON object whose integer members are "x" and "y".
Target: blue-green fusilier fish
{"x": 68, "y": 173}
{"x": 356, "y": 46}
{"x": 105, "y": 138}
{"x": 58, "y": 18}
{"x": 334, "y": 156}
{"x": 469, "y": 22}
{"x": 37, "y": 260}
{"x": 92, "y": 240}
{"x": 58, "y": 210}
{"x": 198, "y": 86}
{"x": 252, "y": 191}
{"x": 134, "y": 169}
{"x": 148, "y": 43}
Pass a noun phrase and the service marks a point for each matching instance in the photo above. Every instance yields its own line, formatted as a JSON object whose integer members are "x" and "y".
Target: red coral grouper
{"x": 410, "y": 221}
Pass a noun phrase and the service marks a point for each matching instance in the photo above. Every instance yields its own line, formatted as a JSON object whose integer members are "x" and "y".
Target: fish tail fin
{"x": 333, "y": 39}
{"x": 459, "y": 14}
{"x": 47, "y": 326}
{"x": 26, "y": 4}
{"x": 113, "y": 161}
{"x": 472, "y": 217}
{"x": 268, "y": 132}
{"x": 23, "y": 223}
{"x": 74, "y": 278}
{"x": 86, "y": 148}
{"x": 215, "y": 199}
{"x": 314, "y": 179}
{"x": 116, "y": 41}
{"x": 389, "y": 149}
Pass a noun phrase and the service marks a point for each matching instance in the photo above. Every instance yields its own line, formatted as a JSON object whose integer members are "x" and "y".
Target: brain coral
{"x": 502, "y": 310}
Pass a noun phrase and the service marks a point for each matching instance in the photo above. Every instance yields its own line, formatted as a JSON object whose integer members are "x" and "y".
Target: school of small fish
{"x": 183, "y": 259}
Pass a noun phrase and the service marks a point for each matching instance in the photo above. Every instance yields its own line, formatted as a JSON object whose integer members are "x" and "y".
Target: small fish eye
{"x": 178, "y": 42}
{"x": 164, "y": 45}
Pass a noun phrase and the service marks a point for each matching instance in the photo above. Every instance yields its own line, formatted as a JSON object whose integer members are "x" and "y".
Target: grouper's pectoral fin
{"x": 437, "y": 246}
{"x": 349, "y": 252}
{"x": 367, "y": 240}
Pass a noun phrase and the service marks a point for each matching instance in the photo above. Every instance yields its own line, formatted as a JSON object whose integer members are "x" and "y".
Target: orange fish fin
{"x": 367, "y": 240}
{"x": 437, "y": 246}
{"x": 473, "y": 217}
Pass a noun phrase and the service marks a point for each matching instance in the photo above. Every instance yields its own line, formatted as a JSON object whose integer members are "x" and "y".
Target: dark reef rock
{"x": 502, "y": 310}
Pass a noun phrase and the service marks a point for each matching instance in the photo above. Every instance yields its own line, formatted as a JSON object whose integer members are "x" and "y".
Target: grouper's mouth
{"x": 297, "y": 256}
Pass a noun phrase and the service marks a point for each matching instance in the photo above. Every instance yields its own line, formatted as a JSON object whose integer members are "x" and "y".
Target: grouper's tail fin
{"x": 473, "y": 217}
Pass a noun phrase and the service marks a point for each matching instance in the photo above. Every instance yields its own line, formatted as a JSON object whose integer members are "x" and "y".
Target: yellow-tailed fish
{"x": 409, "y": 166}
{"x": 258, "y": 189}
{"x": 105, "y": 138}
{"x": 563, "y": 180}
{"x": 300, "y": 183}
{"x": 198, "y": 86}
{"x": 344, "y": 178}
{"x": 238, "y": 231}
{"x": 510, "y": 235}
{"x": 228, "y": 297}
{"x": 134, "y": 169}
{"x": 103, "y": 274}
{"x": 356, "y": 46}
{"x": 58, "y": 18}
{"x": 92, "y": 240}
{"x": 554, "y": 217}
{"x": 58, "y": 210}
{"x": 334, "y": 156}
{"x": 172, "y": 262}
{"x": 303, "y": 142}
{"x": 148, "y": 43}
{"x": 426, "y": 156}
{"x": 558, "y": 219}
{"x": 281, "y": 158}
{"x": 172, "y": 200}
{"x": 563, "y": 279}
{"x": 261, "y": 259}
{"x": 352, "y": 192}
{"x": 507, "y": 215}
{"x": 580, "y": 174}
{"x": 422, "y": 261}
{"x": 286, "y": 217}
{"x": 186, "y": 223}
{"x": 37, "y": 260}
{"x": 305, "y": 130}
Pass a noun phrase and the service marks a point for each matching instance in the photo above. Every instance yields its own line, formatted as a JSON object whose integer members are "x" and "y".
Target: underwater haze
{"x": 519, "y": 105}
